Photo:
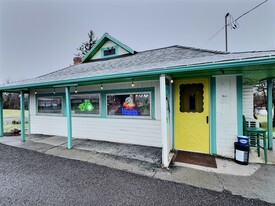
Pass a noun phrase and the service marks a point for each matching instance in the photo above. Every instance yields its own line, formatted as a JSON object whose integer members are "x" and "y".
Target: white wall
{"x": 121, "y": 51}
{"x": 226, "y": 108}
{"x": 123, "y": 130}
{"x": 248, "y": 101}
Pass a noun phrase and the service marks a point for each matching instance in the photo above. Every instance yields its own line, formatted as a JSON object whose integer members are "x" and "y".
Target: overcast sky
{"x": 41, "y": 36}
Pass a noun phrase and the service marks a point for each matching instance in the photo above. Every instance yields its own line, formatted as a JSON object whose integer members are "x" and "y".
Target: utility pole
{"x": 225, "y": 24}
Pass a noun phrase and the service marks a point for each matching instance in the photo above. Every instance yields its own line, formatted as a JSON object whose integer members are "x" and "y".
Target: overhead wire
{"x": 233, "y": 23}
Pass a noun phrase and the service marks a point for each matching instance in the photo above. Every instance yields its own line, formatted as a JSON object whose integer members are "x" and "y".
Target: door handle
{"x": 207, "y": 119}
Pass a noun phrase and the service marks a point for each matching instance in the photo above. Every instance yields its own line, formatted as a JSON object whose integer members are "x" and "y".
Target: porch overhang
{"x": 256, "y": 69}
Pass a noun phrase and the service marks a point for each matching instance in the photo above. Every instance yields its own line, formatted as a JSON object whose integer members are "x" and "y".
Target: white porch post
{"x": 164, "y": 136}
{"x": 1, "y": 116}
{"x": 269, "y": 114}
{"x": 22, "y": 114}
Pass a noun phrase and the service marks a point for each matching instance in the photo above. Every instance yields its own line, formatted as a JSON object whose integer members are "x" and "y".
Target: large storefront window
{"x": 50, "y": 105}
{"x": 85, "y": 104}
{"x": 129, "y": 104}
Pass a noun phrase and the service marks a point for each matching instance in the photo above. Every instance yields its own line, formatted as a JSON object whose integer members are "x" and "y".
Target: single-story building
{"x": 176, "y": 98}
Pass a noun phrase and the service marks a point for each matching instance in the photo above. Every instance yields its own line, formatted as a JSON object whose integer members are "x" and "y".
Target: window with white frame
{"x": 49, "y": 105}
{"x": 85, "y": 104}
{"x": 136, "y": 104}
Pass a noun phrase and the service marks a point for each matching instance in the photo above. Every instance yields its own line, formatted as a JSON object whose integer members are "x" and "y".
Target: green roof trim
{"x": 207, "y": 67}
{"x": 101, "y": 42}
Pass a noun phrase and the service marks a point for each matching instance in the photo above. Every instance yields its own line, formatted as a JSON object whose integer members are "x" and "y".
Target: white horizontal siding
{"x": 226, "y": 108}
{"x": 248, "y": 101}
{"x": 142, "y": 132}
{"x": 131, "y": 131}
{"x": 49, "y": 125}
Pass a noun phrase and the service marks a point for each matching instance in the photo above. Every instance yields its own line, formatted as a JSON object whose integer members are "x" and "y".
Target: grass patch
{"x": 9, "y": 126}
{"x": 263, "y": 120}
{"x": 13, "y": 113}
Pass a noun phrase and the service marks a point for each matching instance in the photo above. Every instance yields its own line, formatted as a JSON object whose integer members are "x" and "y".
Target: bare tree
{"x": 260, "y": 97}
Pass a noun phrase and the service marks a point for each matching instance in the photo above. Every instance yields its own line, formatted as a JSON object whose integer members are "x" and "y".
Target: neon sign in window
{"x": 129, "y": 104}
{"x": 87, "y": 104}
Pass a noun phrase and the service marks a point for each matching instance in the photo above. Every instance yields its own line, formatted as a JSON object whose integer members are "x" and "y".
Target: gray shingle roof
{"x": 150, "y": 60}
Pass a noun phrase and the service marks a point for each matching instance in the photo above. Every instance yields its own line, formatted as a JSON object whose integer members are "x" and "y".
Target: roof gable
{"x": 101, "y": 42}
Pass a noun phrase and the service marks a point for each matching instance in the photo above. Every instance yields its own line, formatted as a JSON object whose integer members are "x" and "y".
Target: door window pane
{"x": 50, "y": 105}
{"x": 87, "y": 104}
{"x": 129, "y": 104}
{"x": 191, "y": 98}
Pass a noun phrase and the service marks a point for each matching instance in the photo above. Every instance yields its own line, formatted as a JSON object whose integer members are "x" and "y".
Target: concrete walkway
{"x": 252, "y": 181}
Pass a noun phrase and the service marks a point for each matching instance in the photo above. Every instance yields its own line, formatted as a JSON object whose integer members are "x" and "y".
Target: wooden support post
{"x": 22, "y": 115}
{"x": 69, "y": 118}
{"x": 269, "y": 114}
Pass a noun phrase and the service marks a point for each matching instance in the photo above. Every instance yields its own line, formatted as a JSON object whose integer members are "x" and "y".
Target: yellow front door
{"x": 192, "y": 114}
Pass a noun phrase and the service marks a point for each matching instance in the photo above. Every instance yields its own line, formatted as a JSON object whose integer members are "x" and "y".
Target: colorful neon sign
{"x": 86, "y": 105}
{"x": 128, "y": 107}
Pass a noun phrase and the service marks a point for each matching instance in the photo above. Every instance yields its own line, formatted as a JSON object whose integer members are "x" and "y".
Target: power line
{"x": 235, "y": 21}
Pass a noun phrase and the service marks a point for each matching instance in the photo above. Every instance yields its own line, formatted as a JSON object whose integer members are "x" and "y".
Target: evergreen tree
{"x": 87, "y": 45}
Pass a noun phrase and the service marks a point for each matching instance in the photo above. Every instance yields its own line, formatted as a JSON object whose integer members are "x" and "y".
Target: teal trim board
{"x": 1, "y": 115}
{"x": 240, "y": 105}
{"x": 29, "y": 113}
{"x": 213, "y": 121}
{"x": 69, "y": 118}
{"x": 269, "y": 114}
{"x": 22, "y": 115}
{"x": 103, "y": 105}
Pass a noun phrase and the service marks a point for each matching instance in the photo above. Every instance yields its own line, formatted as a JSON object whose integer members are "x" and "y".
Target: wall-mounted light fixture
{"x": 53, "y": 90}
{"x": 75, "y": 89}
{"x": 133, "y": 84}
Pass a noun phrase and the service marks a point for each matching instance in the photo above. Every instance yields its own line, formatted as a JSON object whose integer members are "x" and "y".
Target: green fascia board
{"x": 101, "y": 42}
{"x": 209, "y": 67}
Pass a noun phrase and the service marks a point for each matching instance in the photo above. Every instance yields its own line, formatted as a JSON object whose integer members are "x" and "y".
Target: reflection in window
{"x": 88, "y": 104}
{"x": 131, "y": 104}
{"x": 50, "y": 104}
{"x": 109, "y": 52}
{"x": 191, "y": 98}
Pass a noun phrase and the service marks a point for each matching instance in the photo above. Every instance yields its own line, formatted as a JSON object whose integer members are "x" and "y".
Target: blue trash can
{"x": 241, "y": 153}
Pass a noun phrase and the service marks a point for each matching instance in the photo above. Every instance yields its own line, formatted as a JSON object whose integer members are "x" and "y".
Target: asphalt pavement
{"x": 31, "y": 178}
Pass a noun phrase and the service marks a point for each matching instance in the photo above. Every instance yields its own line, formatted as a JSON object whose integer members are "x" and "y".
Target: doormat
{"x": 196, "y": 159}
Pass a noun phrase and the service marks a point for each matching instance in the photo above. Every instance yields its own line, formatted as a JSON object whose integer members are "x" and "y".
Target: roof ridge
{"x": 186, "y": 47}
